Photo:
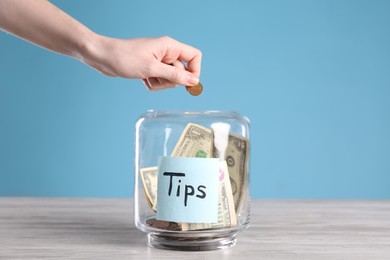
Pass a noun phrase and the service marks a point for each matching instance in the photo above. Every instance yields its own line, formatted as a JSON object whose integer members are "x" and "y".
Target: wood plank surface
{"x": 54, "y": 228}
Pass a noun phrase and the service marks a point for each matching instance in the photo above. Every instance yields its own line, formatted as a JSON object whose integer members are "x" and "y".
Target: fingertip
{"x": 192, "y": 80}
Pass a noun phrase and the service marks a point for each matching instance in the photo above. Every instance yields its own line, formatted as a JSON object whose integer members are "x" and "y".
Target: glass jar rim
{"x": 167, "y": 112}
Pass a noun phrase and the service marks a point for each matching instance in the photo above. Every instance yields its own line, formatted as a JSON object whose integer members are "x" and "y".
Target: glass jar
{"x": 192, "y": 178}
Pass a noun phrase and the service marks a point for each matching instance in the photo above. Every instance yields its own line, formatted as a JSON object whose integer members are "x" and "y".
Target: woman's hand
{"x": 157, "y": 61}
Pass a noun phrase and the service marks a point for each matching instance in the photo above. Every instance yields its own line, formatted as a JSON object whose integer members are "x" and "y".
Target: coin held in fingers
{"x": 195, "y": 90}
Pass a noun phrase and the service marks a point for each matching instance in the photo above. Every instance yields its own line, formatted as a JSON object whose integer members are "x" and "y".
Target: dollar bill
{"x": 226, "y": 212}
{"x": 195, "y": 141}
{"x": 149, "y": 182}
{"x": 236, "y": 156}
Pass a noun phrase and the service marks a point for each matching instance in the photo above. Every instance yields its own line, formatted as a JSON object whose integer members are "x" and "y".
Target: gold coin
{"x": 195, "y": 90}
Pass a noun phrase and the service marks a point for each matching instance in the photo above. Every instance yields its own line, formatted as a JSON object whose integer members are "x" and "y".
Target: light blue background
{"x": 198, "y": 171}
{"x": 313, "y": 77}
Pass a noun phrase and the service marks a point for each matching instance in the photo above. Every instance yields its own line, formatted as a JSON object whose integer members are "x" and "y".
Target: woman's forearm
{"x": 42, "y": 23}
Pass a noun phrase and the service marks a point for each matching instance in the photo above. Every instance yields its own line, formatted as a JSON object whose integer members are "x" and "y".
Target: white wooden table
{"x": 46, "y": 228}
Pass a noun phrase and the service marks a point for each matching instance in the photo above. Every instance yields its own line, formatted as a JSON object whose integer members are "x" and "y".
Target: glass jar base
{"x": 190, "y": 243}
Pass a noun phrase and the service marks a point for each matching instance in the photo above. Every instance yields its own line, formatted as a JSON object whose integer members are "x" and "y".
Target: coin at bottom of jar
{"x": 167, "y": 225}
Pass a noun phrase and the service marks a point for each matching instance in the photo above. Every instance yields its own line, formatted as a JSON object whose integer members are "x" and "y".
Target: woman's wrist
{"x": 92, "y": 51}
{"x": 86, "y": 46}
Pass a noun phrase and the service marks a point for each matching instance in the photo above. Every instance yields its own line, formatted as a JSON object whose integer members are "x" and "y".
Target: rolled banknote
{"x": 149, "y": 182}
{"x": 236, "y": 156}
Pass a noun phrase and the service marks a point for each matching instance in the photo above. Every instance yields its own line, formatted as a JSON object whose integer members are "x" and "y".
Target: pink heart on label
{"x": 221, "y": 174}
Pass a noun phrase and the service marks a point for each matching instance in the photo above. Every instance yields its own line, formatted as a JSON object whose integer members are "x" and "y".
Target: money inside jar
{"x": 198, "y": 141}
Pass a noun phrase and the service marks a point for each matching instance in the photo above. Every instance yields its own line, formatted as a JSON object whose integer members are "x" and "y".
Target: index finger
{"x": 193, "y": 57}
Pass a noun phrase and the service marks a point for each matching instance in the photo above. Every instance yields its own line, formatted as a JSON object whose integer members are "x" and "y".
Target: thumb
{"x": 174, "y": 74}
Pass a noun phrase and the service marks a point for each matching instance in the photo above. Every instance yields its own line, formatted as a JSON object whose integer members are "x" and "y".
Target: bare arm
{"x": 149, "y": 59}
{"x": 40, "y": 22}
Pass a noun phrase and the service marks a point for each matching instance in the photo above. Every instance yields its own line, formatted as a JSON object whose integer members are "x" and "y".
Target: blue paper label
{"x": 188, "y": 189}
